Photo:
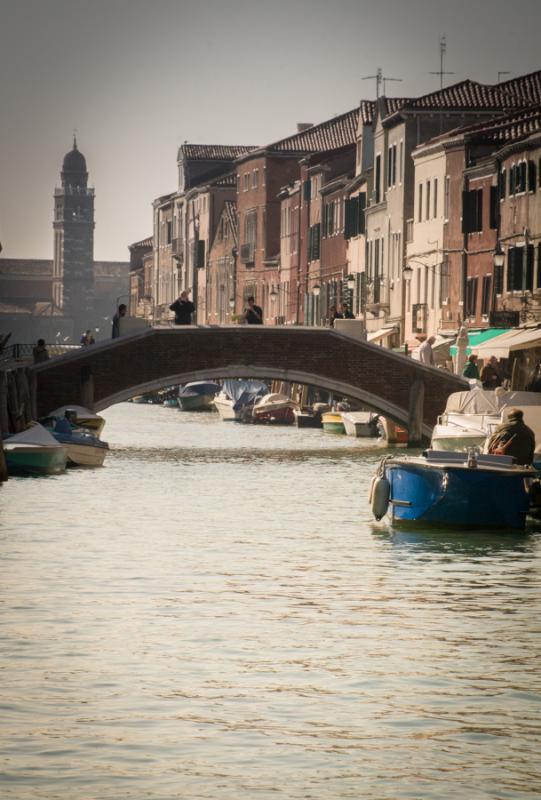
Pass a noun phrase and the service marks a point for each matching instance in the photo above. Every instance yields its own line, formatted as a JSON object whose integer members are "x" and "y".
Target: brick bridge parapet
{"x": 109, "y": 372}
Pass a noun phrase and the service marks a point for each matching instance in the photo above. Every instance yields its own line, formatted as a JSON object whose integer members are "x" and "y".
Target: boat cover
{"x": 198, "y": 388}
{"x": 243, "y": 392}
{"x": 488, "y": 401}
{"x": 80, "y": 412}
{"x": 36, "y": 434}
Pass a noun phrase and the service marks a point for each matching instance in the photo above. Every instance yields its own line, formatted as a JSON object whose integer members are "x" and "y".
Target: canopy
{"x": 511, "y": 340}
{"x": 382, "y": 333}
{"x": 475, "y": 338}
{"x": 489, "y": 401}
{"x": 243, "y": 392}
{"x": 35, "y": 434}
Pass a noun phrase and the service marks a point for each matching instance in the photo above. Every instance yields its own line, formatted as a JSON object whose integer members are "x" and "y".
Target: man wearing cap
{"x": 513, "y": 438}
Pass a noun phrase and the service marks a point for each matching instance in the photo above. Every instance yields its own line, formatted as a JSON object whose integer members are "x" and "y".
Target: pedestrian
{"x": 87, "y": 338}
{"x": 40, "y": 352}
{"x": 490, "y": 374}
{"x": 334, "y": 314}
{"x": 513, "y": 438}
{"x": 253, "y": 314}
{"x": 121, "y": 312}
{"x": 183, "y": 308}
{"x": 535, "y": 383}
{"x": 346, "y": 313}
{"x": 471, "y": 370}
{"x": 426, "y": 354}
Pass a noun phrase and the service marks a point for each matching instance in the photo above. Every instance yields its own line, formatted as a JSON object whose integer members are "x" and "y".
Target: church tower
{"x": 73, "y": 264}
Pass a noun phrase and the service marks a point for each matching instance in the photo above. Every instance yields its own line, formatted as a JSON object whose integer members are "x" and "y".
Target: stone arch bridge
{"x": 110, "y": 372}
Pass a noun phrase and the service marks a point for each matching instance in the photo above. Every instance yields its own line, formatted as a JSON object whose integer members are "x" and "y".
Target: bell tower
{"x": 73, "y": 263}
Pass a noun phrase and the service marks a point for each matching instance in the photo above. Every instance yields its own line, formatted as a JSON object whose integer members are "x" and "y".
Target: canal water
{"x": 214, "y": 614}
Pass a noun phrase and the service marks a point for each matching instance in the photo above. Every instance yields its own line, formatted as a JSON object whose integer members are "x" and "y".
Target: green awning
{"x": 478, "y": 337}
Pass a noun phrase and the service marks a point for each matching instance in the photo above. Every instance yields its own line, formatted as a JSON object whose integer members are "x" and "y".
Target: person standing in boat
{"x": 513, "y": 438}
{"x": 183, "y": 308}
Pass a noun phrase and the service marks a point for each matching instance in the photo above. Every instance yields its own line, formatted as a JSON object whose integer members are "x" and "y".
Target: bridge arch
{"x": 110, "y": 372}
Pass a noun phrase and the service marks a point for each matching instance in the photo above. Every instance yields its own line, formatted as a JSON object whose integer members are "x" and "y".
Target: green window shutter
{"x": 347, "y": 219}
{"x": 512, "y": 179}
{"x": 466, "y": 213}
{"x": 479, "y": 210}
{"x": 498, "y": 279}
{"x": 362, "y": 207}
{"x": 307, "y": 189}
{"x": 317, "y": 239}
{"x": 511, "y": 269}
{"x": 200, "y": 253}
{"x": 531, "y": 176}
{"x": 529, "y": 268}
{"x": 494, "y": 207}
{"x": 309, "y": 244}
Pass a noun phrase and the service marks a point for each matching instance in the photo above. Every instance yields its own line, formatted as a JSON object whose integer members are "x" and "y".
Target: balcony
{"x": 247, "y": 253}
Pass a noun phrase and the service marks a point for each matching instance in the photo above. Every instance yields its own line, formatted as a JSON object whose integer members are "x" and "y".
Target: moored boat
{"x": 361, "y": 423}
{"x": 332, "y": 422}
{"x": 82, "y": 417}
{"x": 236, "y": 397}
{"x": 34, "y": 452}
{"x": 275, "y": 409}
{"x": 198, "y": 395}
{"x": 453, "y": 489}
{"x": 304, "y": 418}
{"x": 83, "y": 449}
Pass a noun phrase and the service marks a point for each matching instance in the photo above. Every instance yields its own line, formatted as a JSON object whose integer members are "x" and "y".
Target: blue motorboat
{"x": 453, "y": 489}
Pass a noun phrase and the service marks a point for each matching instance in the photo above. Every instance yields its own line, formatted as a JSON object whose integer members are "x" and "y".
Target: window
{"x": 246, "y": 185}
{"x": 502, "y": 183}
{"x": 255, "y": 179}
{"x": 446, "y": 197}
{"x": 250, "y": 227}
{"x": 471, "y": 297}
{"x": 354, "y": 216}
{"x": 391, "y": 166}
{"x": 520, "y": 269}
{"x": 238, "y": 184}
{"x": 531, "y": 176}
{"x": 444, "y": 283}
{"x": 314, "y": 239}
{"x": 428, "y": 200}
{"x": 401, "y": 162}
{"x": 435, "y": 198}
{"x": 472, "y": 211}
{"x": 377, "y": 179}
{"x": 486, "y": 296}
{"x": 169, "y": 234}
{"x": 420, "y": 201}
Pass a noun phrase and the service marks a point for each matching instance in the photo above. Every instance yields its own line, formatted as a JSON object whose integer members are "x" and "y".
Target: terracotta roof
{"x": 526, "y": 86}
{"x": 26, "y": 267}
{"x": 499, "y": 130}
{"x": 214, "y": 152}
{"x": 148, "y": 242}
{"x": 329, "y": 135}
{"x": 466, "y": 95}
{"x": 229, "y": 179}
{"x": 390, "y": 106}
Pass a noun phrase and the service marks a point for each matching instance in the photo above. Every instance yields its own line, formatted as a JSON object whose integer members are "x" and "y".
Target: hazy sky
{"x": 138, "y": 77}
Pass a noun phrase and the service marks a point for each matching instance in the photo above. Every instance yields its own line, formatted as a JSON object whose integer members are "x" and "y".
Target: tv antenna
{"x": 378, "y": 77}
{"x": 441, "y": 72}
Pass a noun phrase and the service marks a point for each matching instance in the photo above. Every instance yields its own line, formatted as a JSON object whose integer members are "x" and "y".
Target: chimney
{"x": 303, "y": 126}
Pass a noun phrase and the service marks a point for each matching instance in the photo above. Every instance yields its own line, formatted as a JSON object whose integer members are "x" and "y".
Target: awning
{"x": 510, "y": 341}
{"x": 476, "y": 338}
{"x": 378, "y": 336}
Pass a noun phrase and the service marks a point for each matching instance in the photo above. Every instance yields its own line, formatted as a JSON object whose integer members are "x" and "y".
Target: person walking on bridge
{"x": 253, "y": 314}
{"x": 183, "y": 308}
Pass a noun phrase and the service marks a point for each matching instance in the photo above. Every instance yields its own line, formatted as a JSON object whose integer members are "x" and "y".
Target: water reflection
{"x": 215, "y": 614}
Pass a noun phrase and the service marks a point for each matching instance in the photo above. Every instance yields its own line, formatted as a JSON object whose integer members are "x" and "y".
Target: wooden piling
{"x": 23, "y": 394}
{"x": 4, "y": 415}
{"x": 87, "y": 388}
{"x": 14, "y": 407}
{"x": 415, "y": 415}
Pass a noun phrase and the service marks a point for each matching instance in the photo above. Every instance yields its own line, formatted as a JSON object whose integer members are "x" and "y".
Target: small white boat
{"x": 236, "y": 397}
{"x": 84, "y": 449}
{"x": 83, "y": 418}
{"x": 198, "y": 395}
{"x": 34, "y": 452}
{"x": 361, "y": 423}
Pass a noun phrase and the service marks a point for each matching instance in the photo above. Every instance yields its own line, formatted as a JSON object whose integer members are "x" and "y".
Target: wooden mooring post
{"x": 415, "y": 415}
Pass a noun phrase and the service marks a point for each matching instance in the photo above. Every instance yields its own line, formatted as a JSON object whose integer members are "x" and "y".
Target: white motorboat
{"x": 34, "y": 452}
{"x": 236, "y": 396}
{"x": 274, "y": 408}
{"x": 82, "y": 417}
{"x": 470, "y": 417}
{"x": 84, "y": 449}
{"x": 360, "y": 423}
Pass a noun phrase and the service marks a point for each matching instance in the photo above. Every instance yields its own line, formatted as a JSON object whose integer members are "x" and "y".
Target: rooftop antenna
{"x": 378, "y": 77}
{"x": 503, "y": 73}
{"x": 75, "y": 138}
{"x": 441, "y": 72}
{"x": 399, "y": 80}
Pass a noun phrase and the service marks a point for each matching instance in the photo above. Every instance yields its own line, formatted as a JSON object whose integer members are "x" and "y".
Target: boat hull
{"x": 200, "y": 402}
{"x": 225, "y": 410}
{"x": 332, "y": 422}
{"x": 84, "y": 455}
{"x": 360, "y": 424}
{"x": 457, "y": 496}
{"x": 306, "y": 420}
{"x": 35, "y": 460}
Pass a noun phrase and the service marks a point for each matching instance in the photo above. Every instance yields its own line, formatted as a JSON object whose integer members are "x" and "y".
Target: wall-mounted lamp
{"x": 499, "y": 256}
{"x": 407, "y": 273}
{"x": 273, "y": 295}
{"x": 351, "y": 282}
{"x": 316, "y": 290}
{"x": 231, "y": 302}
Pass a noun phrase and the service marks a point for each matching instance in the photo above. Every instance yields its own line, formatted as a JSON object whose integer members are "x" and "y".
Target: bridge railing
{"x": 24, "y": 352}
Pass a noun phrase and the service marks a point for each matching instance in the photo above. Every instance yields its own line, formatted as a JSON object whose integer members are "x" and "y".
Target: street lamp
{"x": 407, "y": 273}
{"x": 273, "y": 295}
{"x": 231, "y": 302}
{"x": 499, "y": 256}
{"x": 351, "y": 282}
{"x": 316, "y": 290}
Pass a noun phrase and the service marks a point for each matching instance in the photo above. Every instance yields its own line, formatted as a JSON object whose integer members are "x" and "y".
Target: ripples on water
{"x": 215, "y": 614}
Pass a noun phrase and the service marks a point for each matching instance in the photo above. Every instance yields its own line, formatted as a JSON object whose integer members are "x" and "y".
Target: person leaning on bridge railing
{"x": 122, "y": 309}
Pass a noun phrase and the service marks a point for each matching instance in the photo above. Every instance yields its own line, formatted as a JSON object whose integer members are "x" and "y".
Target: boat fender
{"x": 380, "y": 493}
